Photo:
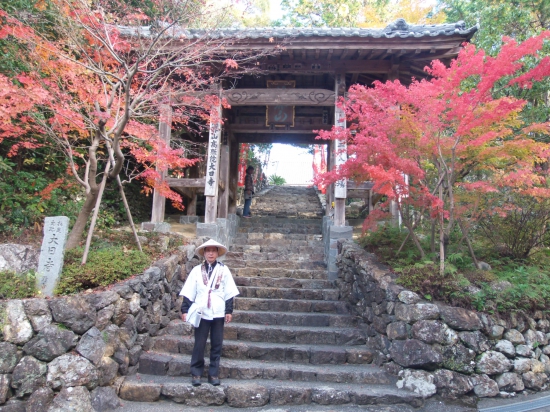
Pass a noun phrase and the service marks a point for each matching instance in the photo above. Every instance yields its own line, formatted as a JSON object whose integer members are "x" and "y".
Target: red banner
{"x": 242, "y": 163}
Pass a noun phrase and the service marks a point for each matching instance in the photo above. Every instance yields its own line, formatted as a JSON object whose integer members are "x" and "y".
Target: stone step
{"x": 284, "y": 282}
{"x": 295, "y": 319}
{"x": 156, "y": 363}
{"x": 244, "y": 237}
{"x": 289, "y": 229}
{"x": 283, "y": 250}
{"x": 279, "y": 273}
{"x": 263, "y": 221}
{"x": 243, "y": 394}
{"x": 277, "y": 255}
{"x": 288, "y": 293}
{"x": 266, "y": 351}
{"x": 304, "y": 335}
{"x": 289, "y": 305}
{"x": 279, "y": 264}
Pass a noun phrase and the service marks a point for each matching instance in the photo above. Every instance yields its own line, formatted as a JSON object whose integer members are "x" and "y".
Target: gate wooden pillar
{"x": 340, "y": 147}
{"x": 233, "y": 174}
{"x": 223, "y": 202}
{"x": 330, "y": 188}
{"x": 212, "y": 166}
{"x": 165, "y": 129}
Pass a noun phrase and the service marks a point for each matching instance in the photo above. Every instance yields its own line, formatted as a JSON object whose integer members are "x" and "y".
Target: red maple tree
{"x": 436, "y": 146}
{"x": 95, "y": 89}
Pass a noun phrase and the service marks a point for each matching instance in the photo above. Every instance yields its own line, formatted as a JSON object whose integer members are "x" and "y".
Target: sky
{"x": 294, "y": 164}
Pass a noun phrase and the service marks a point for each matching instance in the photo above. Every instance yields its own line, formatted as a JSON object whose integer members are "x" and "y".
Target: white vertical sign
{"x": 340, "y": 187}
{"x": 213, "y": 160}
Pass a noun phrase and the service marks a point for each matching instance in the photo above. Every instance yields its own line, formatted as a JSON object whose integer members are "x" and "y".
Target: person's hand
{"x": 184, "y": 317}
{"x": 228, "y": 318}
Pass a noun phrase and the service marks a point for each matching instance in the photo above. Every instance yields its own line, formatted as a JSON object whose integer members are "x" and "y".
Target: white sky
{"x": 292, "y": 163}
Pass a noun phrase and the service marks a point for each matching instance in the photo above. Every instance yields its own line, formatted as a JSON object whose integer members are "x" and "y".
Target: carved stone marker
{"x": 50, "y": 262}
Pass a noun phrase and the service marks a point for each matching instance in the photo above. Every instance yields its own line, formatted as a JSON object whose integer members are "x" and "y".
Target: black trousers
{"x": 215, "y": 329}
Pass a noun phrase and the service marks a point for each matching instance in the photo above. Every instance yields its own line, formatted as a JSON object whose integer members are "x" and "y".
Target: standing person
{"x": 248, "y": 191}
{"x": 209, "y": 291}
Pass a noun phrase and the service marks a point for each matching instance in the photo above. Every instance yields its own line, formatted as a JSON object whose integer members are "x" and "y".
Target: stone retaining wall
{"x": 437, "y": 348}
{"x": 74, "y": 351}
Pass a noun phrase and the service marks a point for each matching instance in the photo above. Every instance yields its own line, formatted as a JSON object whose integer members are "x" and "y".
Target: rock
{"x": 134, "y": 304}
{"x": 492, "y": 362}
{"x": 18, "y": 258}
{"x": 107, "y": 371}
{"x": 530, "y": 337}
{"x": 9, "y": 357}
{"x": 122, "y": 309}
{"x": 484, "y": 387}
{"x": 28, "y": 375}
{"x": 74, "y": 399}
{"x": 408, "y": 297}
{"x": 104, "y": 317}
{"x": 483, "y": 266}
{"x": 537, "y": 366}
{"x": 522, "y": 365}
{"x": 100, "y": 300}
{"x": 13, "y": 405}
{"x": 541, "y": 338}
{"x": 500, "y": 285}
{"x": 15, "y": 326}
{"x": 452, "y": 384}
{"x": 51, "y": 342}
{"x": 535, "y": 381}
{"x": 416, "y": 312}
{"x": 514, "y": 336}
{"x": 140, "y": 391}
{"x": 104, "y": 399}
{"x": 418, "y": 381}
{"x": 544, "y": 326}
{"x": 525, "y": 351}
{"x": 509, "y": 382}
{"x": 92, "y": 346}
{"x": 289, "y": 396}
{"x": 506, "y": 347}
{"x": 475, "y": 341}
{"x": 5, "y": 381}
{"x": 72, "y": 370}
{"x": 397, "y": 330}
{"x": 414, "y": 353}
{"x": 247, "y": 396}
{"x": 459, "y": 358}
{"x": 430, "y": 331}
{"x": 495, "y": 332}
{"x": 329, "y": 396}
{"x": 204, "y": 395}
{"x": 38, "y": 312}
{"x": 40, "y": 400}
{"x": 74, "y": 312}
{"x": 460, "y": 319}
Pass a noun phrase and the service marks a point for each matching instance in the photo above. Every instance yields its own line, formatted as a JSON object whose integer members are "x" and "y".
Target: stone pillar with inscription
{"x": 50, "y": 262}
{"x": 338, "y": 229}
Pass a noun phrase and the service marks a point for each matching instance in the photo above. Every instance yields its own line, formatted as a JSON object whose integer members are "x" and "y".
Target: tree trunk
{"x": 78, "y": 229}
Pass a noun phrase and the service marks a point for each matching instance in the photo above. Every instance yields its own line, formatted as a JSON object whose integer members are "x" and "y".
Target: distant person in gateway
{"x": 248, "y": 191}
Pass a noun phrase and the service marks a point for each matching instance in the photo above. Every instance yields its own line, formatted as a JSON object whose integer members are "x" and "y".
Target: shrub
{"x": 17, "y": 286}
{"x": 276, "y": 180}
{"x": 104, "y": 267}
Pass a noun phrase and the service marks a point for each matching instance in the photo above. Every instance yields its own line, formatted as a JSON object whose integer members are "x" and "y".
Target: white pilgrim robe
{"x": 196, "y": 291}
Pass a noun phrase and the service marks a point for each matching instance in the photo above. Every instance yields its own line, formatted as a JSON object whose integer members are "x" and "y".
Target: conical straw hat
{"x": 222, "y": 250}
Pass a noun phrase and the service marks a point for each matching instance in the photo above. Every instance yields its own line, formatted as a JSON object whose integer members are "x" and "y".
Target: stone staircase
{"x": 291, "y": 342}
